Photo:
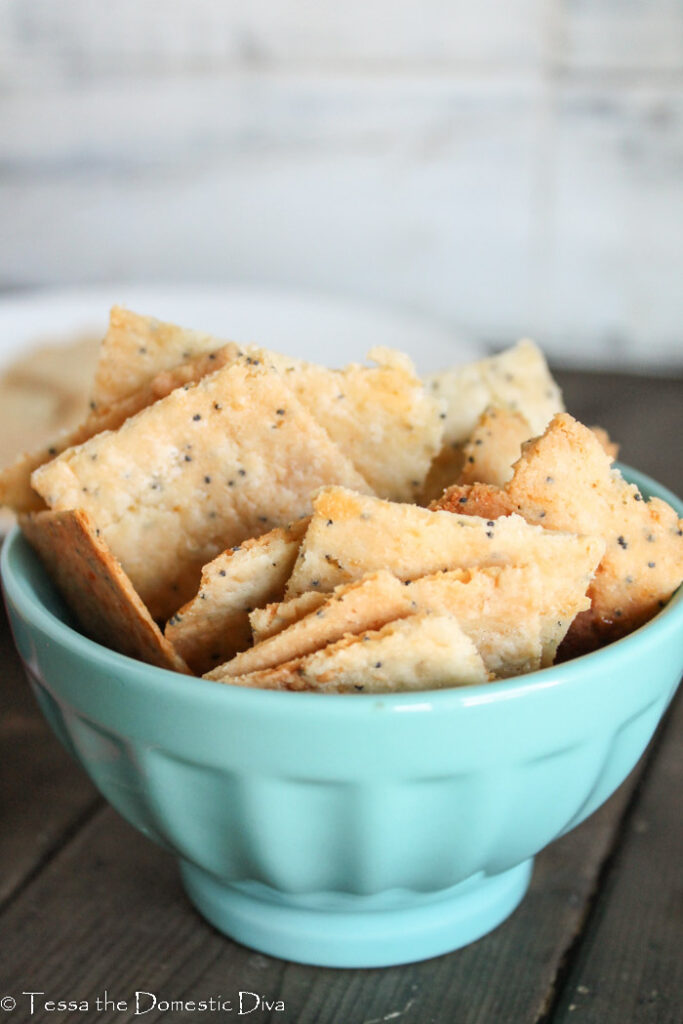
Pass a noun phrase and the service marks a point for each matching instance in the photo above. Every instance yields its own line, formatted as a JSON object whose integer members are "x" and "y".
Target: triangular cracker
{"x": 95, "y": 587}
{"x": 565, "y": 477}
{"x": 214, "y": 626}
{"x": 351, "y": 534}
{"x": 201, "y": 470}
{"x": 425, "y": 651}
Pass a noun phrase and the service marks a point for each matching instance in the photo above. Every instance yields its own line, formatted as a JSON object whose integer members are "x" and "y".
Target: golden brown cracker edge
{"x": 96, "y": 589}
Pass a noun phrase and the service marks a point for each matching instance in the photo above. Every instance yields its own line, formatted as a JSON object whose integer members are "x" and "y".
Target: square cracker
{"x": 15, "y": 481}
{"x": 95, "y": 587}
{"x": 199, "y": 471}
{"x": 214, "y": 626}
{"x": 351, "y": 534}
{"x": 564, "y": 479}
{"x": 421, "y": 652}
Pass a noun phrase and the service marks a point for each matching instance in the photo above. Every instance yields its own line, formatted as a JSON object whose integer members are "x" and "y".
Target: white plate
{"x": 308, "y": 325}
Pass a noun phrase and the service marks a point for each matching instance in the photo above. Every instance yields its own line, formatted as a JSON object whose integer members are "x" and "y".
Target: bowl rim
{"x": 166, "y": 683}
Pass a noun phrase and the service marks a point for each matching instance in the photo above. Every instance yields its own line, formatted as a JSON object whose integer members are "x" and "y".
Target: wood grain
{"x": 629, "y": 965}
{"x": 44, "y": 796}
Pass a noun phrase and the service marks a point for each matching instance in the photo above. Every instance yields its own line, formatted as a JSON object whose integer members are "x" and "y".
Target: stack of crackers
{"x": 266, "y": 522}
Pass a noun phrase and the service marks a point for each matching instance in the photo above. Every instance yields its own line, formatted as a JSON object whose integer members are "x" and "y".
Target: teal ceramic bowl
{"x": 348, "y": 830}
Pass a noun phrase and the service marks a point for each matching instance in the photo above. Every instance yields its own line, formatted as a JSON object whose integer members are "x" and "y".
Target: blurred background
{"x": 505, "y": 167}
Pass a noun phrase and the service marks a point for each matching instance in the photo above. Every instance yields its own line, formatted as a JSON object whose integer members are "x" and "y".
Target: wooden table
{"x": 88, "y": 906}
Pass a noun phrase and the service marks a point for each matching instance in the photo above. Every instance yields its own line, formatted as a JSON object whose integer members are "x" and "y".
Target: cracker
{"x": 16, "y": 491}
{"x": 566, "y": 477}
{"x": 197, "y": 472}
{"x": 516, "y": 379}
{"x": 515, "y": 616}
{"x": 366, "y": 604}
{"x": 565, "y": 480}
{"x": 421, "y": 652}
{"x": 493, "y": 446}
{"x": 136, "y": 348}
{"x": 366, "y": 410}
{"x": 351, "y": 534}
{"x": 214, "y": 626}
{"x": 275, "y": 617}
{"x": 381, "y": 417}
{"x": 95, "y": 587}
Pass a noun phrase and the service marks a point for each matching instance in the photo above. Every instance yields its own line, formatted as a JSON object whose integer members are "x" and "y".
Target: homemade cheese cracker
{"x": 515, "y": 617}
{"x": 381, "y": 417}
{"x": 136, "y": 348}
{"x": 563, "y": 480}
{"x": 95, "y": 587}
{"x": 424, "y": 651}
{"x": 351, "y": 534}
{"x": 176, "y": 488}
{"x": 366, "y": 410}
{"x": 367, "y": 604}
{"x": 496, "y": 442}
{"x": 203, "y": 469}
{"x": 517, "y": 379}
{"x": 16, "y": 491}
{"x": 214, "y": 625}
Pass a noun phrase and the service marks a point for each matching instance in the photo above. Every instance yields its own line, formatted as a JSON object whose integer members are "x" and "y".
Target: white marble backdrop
{"x": 506, "y": 166}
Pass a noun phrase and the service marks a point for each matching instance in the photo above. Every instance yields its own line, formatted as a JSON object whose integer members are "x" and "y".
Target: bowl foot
{"x": 345, "y": 930}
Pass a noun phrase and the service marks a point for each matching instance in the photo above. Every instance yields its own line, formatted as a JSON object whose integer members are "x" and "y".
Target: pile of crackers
{"x": 262, "y": 521}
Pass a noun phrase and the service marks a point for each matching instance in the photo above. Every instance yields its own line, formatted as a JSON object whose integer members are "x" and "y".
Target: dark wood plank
{"x": 629, "y": 966}
{"x": 108, "y": 913}
{"x": 44, "y": 795}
